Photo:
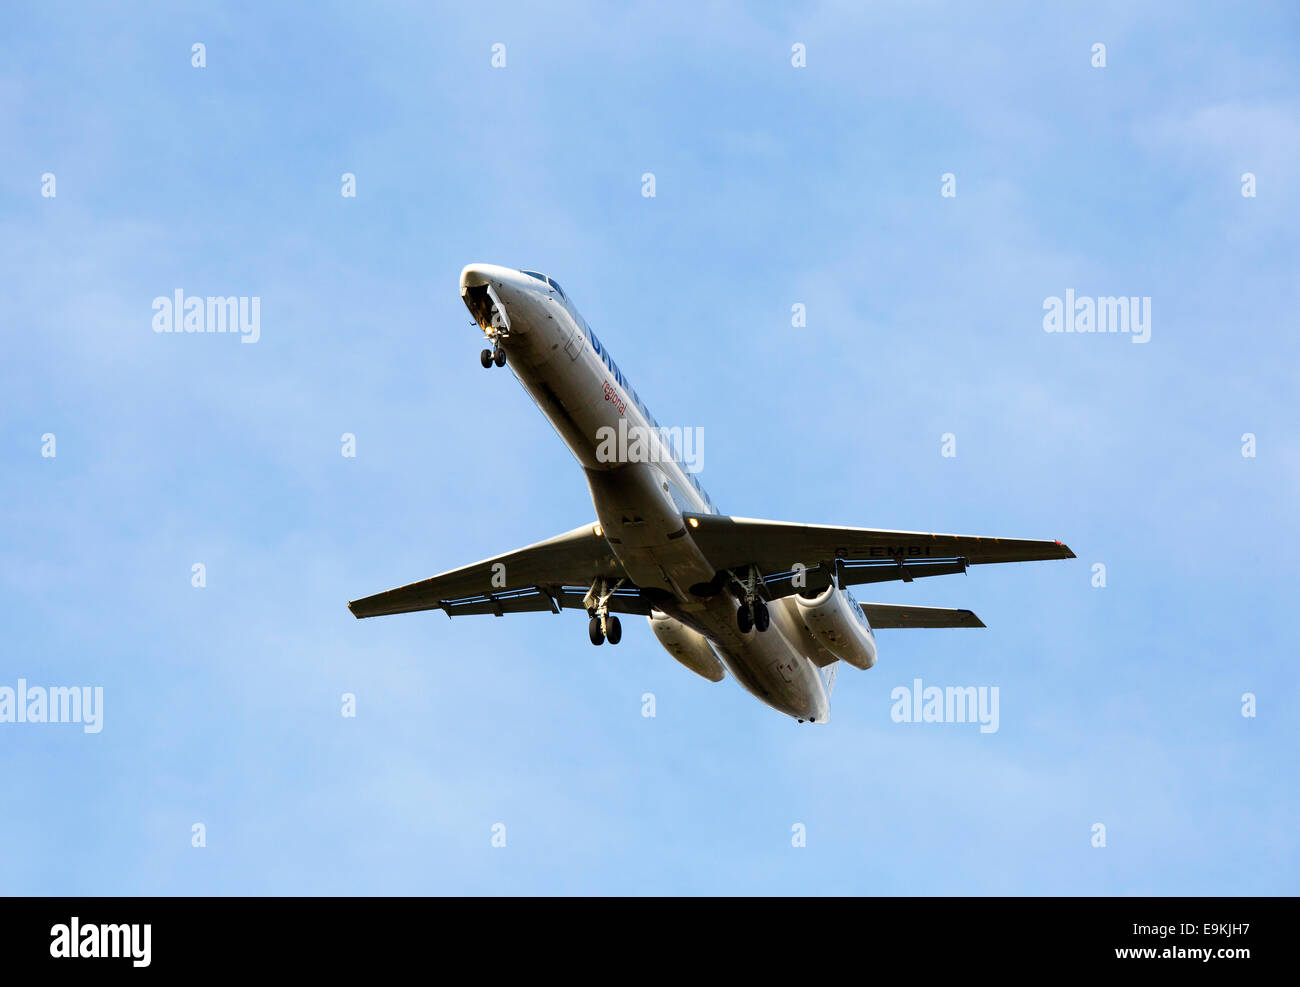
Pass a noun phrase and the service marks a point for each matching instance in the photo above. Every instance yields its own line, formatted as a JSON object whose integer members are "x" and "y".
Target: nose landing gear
{"x": 495, "y": 355}
{"x": 491, "y": 316}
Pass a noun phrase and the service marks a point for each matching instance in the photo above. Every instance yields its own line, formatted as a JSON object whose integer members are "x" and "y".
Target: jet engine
{"x": 834, "y": 618}
{"x": 688, "y": 646}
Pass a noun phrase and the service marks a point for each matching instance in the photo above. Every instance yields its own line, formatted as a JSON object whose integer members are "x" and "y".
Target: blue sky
{"x": 775, "y": 185}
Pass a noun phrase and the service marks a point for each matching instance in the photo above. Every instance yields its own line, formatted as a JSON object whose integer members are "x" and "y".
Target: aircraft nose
{"x": 483, "y": 289}
{"x": 478, "y": 275}
{"x": 472, "y": 276}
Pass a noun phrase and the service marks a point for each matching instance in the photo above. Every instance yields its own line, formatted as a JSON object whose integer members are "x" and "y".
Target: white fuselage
{"x": 640, "y": 505}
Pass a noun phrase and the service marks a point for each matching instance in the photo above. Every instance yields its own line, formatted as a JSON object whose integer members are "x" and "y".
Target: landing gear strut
{"x": 603, "y": 626}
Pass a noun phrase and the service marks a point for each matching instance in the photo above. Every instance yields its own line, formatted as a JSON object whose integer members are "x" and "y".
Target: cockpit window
{"x": 550, "y": 281}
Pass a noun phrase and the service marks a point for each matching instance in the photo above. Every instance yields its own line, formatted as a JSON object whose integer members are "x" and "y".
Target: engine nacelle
{"x": 688, "y": 646}
{"x": 834, "y": 618}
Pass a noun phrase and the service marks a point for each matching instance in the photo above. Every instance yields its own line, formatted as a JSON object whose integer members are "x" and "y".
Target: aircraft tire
{"x": 744, "y": 619}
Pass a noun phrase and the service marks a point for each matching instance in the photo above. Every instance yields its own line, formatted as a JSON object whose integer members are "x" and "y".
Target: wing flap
{"x": 543, "y": 599}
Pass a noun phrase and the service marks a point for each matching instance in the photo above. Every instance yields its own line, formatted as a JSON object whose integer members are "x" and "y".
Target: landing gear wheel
{"x": 594, "y": 632}
{"x": 744, "y": 618}
{"x": 762, "y": 619}
{"x": 500, "y": 358}
{"x": 485, "y": 358}
{"x": 613, "y": 630}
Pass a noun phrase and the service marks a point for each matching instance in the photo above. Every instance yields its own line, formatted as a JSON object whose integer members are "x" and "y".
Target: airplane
{"x": 767, "y": 601}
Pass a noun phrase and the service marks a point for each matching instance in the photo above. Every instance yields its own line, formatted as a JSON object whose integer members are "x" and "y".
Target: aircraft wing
{"x": 550, "y": 575}
{"x": 783, "y": 551}
{"x": 884, "y": 615}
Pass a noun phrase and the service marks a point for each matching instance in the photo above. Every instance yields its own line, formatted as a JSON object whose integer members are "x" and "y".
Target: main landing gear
{"x": 752, "y": 613}
{"x": 612, "y": 631}
{"x": 754, "y": 616}
{"x": 603, "y": 626}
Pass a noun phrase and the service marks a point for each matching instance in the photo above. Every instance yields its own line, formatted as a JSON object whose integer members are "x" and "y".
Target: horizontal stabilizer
{"x": 885, "y": 615}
